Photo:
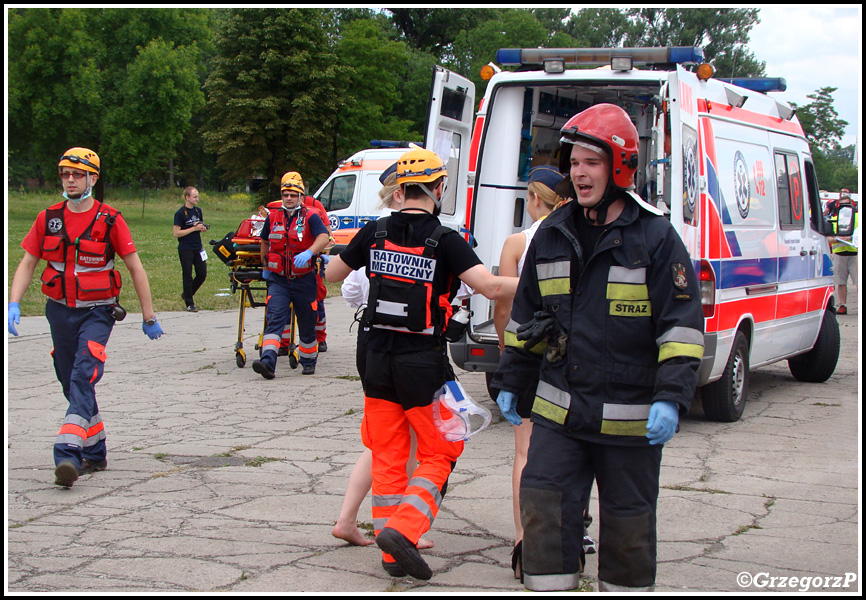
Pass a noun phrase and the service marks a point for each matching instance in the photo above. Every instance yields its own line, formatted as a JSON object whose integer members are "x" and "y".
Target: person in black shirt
{"x": 188, "y": 225}
{"x": 415, "y": 266}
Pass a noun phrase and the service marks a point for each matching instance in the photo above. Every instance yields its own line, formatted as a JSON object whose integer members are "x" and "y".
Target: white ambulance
{"x": 737, "y": 180}
{"x": 350, "y": 195}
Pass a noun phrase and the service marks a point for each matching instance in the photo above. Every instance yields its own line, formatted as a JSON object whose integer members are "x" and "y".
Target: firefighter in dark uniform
{"x": 292, "y": 237}
{"x": 415, "y": 266}
{"x": 79, "y": 238}
{"x": 610, "y": 302}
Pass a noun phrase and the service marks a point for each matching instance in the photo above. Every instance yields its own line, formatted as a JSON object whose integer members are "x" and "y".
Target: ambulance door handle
{"x": 813, "y": 252}
{"x": 803, "y": 252}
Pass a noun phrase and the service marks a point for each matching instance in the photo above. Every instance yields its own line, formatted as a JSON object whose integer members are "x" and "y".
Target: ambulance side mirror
{"x": 845, "y": 222}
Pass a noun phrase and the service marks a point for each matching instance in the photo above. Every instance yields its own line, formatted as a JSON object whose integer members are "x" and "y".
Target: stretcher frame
{"x": 240, "y": 251}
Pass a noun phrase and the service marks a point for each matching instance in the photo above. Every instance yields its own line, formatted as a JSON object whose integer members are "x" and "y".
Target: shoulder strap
{"x": 432, "y": 242}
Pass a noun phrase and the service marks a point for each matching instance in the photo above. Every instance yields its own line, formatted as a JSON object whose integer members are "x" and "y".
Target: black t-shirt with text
{"x": 454, "y": 257}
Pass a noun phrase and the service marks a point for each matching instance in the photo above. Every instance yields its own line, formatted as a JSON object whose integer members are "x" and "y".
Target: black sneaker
{"x": 323, "y": 346}
{"x": 65, "y": 474}
{"x": 404, "y": 552}
{"x": 191, "y": 308}
{"x": 90, "y": 466}
{"x": 308, "y": 370}
{"x": 263, "y": 369}
{"x": 588, "y": 545}
{"x": 393, "y": 569}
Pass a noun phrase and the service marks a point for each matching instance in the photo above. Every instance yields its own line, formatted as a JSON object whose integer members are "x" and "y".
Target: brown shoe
{"x": 90, "y": 466}
{"x": 65, "y": 474}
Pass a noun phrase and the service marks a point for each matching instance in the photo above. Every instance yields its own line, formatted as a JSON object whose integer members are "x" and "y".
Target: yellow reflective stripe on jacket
{"x": 627, "y": 292}
{"x": 554, "y": 279}
{"x": 510, "y": 339}
{"x": 681, "y": 341}
{"x": 625, "y": 419}
{"x": 551, "y": 402}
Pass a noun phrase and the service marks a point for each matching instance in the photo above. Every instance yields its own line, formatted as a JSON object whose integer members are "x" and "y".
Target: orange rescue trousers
{"x": 407, "y": 505}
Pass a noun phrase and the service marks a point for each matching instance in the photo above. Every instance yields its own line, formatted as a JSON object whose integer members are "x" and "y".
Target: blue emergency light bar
{"x": 392, "y": 144}
{"x": 600, "y": 56}
{"x": 758, "y": 84}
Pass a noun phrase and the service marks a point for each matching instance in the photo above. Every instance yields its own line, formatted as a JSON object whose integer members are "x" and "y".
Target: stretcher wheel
{"x": 240, "y": 359}
{"x": 293, "y": 360}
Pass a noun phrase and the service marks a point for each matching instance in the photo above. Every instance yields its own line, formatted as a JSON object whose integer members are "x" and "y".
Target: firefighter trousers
{"x": 399, "y": 391}
{"x": 79, "y": 336}
{"x": 283, "y": 295}
{"x": 554, "y": 491}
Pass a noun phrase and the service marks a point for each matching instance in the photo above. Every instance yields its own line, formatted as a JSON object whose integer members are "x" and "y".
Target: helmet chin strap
{"x": 601, "y": 206}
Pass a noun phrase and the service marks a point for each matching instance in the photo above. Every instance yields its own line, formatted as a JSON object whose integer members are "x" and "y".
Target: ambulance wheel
{"x": 818, "y": 364}
{"x": 724, "y": 400}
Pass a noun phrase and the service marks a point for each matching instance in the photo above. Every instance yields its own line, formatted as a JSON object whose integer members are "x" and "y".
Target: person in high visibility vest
{"x": 292, "y": 237}
{"x": 79, "y": 238}
{"x": 844, "y": 254}
{"x": 414, "y": 265}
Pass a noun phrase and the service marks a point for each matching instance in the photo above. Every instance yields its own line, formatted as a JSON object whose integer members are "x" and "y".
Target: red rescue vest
{"x": 80, "y": 272}
{"x": 287, "y": 238}
{"x": 402, "y": 296}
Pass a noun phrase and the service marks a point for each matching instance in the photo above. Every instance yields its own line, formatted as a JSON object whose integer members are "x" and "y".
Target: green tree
{"x": 73, "y": 68}
{"x": 820, "y": 121}
{"x": 274, "y": 94}
{"x": 474, "y": 48}
{"x": 376, "y": 69}
{"x": 824, "y": 129}
{"x": 154, "y": 109}
{"x": 54, "y": 86}
{"x": 600, "y": 27}
{"x": 435, "y": 29}
{"x": 723, "y": 33}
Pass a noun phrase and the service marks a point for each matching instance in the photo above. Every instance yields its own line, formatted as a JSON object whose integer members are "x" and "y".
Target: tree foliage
{"x": 228, "y": 95}
{"x": 273, "y": 94}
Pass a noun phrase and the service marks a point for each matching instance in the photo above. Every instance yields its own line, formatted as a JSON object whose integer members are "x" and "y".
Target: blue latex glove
{"x": 266, "y": 275}
{"x": 14, "y": 317}
{"x": 508, "y": 405}
{"x": 325, "y": 258}
{"x": 152, "y": 331}
{"x": 303, "y": 258}
{"x": 662, "y": 422}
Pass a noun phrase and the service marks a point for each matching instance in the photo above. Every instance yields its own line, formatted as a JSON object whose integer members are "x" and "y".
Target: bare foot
{"x": 351, "y": 534}
{"x": 424, "y": 544}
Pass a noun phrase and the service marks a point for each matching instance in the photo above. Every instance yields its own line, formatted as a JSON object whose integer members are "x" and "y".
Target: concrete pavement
{"x": 221, "y": 481}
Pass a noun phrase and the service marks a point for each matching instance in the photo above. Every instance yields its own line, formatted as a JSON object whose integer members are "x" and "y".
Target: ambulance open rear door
{"x": 449, "y": 133}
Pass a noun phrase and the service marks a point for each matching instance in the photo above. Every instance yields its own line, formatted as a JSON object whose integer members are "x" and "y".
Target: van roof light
{"x": 596, "y": 57}
{"x": 389, "y": 144}
{"x": 759, "y": 84}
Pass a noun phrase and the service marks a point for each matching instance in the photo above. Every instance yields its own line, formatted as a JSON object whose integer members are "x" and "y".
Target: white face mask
{"x": 461, "y": 407}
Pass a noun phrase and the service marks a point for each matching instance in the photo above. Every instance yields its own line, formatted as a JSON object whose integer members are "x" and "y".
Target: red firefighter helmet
{"x": 609, "y": 127}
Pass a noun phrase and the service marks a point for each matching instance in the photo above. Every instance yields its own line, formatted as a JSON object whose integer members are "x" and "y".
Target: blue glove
{"x": 325, "y": 258}
{"x": 14, "y": 317}
{"x": 152, "y": 331}
{"x": 662, "y": 422}
{"x": 266, "y": 274}
{"x": 508, "y": 405}
{"x": 303, "y": 258}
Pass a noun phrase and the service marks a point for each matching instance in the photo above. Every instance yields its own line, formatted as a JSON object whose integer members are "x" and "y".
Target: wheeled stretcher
{"x": 240, "y": 250}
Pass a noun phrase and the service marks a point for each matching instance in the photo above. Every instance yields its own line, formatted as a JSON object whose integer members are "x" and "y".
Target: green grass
{"x": 150, "y": 215}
